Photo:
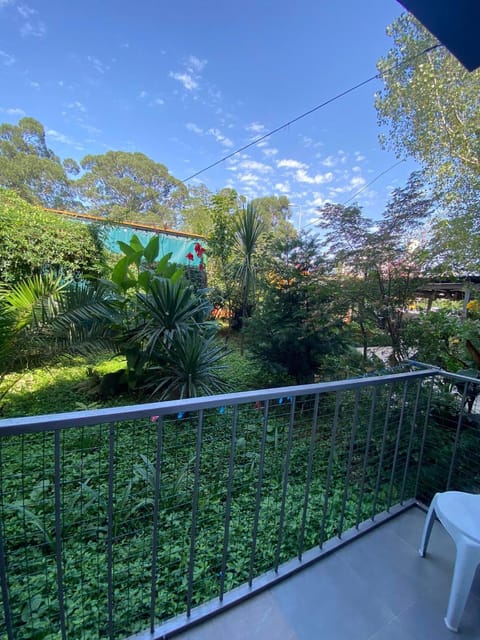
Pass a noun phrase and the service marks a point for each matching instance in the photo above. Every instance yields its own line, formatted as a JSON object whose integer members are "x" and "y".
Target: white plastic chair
{"x": 460, "y": 515}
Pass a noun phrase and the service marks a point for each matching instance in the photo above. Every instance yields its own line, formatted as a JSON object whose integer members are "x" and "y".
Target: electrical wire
{"x": 313, "y": 110}
{"x": 365, "y": 186}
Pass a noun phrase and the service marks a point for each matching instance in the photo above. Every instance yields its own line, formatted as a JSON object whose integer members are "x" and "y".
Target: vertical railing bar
{"x": 397, "y": 445}
{"x": 5, "y": 591}
{"x": 349, "y": 462}
{"x": 329, "y": 468}
{"x": 258, "y": 497}
{"x": 3, "y": 558}
{"x": 373, "y": 406}
{"x": 457, "y": 436}
{"x": 228, "y": 504}
{"x": 382, "y": 453}
{"x": 111, "y": 461}
{"x": 308, "y": 479}
{"x": 156, "y": 511}
{"x": 424, "y": 437}
{"x": 58, "y": 535}
{"x": 196, "y": 488}
{"x": 286, "y": 472}
{"x": 410, "y": 442}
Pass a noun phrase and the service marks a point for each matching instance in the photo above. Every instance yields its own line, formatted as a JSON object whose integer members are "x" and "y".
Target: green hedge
{"x": 32, "y": 240}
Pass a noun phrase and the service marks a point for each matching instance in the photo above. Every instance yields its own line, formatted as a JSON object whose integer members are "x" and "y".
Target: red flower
{"x": 189, "y": 256}
{"x": 201, "y": 266}
{"x": 199, "y": 250}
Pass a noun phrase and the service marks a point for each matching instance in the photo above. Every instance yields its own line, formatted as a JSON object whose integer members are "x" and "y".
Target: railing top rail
{"x": 459, "y": 377}
{"x": 52, "y": 422}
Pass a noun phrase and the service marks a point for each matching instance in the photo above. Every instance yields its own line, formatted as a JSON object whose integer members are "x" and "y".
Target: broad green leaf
{"x": 120, "y": 271}
{"x": 152, "y": 249}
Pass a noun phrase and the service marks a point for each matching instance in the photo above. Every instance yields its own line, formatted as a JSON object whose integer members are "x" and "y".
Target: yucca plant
{"x": 148, "y": 312}
{"x": 190, "y": 367}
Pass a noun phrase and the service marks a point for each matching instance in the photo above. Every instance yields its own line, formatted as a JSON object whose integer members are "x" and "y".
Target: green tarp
{"x": 178, "y": 246}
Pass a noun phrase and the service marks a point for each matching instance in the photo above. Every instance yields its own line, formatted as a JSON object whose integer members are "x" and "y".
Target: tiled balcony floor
{"x": 375, "y": 588}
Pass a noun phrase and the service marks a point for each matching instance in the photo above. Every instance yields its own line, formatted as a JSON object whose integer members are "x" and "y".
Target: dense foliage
{"x": 34, "y": 241}
{"x": 299, "y": 318}
{"x": 379, "y": 262}
{"x": 430, "y": 105}
{"x": 33, "y": 170}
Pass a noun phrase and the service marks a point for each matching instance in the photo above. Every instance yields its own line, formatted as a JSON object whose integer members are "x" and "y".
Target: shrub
{"x": 33, "y": 241}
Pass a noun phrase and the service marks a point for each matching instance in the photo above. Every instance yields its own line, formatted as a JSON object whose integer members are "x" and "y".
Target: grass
{"x": 61, "y": 387}
{"x": 52, "y": 389}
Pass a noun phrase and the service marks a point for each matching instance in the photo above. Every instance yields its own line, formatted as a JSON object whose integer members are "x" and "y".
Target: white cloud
{"x": 93, "y": 131}
{"x": 97, "y": 64}
{"x": 191, "y": 126}
{"x": 159, "y": 101}
{"x": 284, "y": 187}
{"x": 13, "y": 111}
{"x": 143, "y": 94}
{"x": 196, "y": 64}
{"x": 77, "y": 105}
{"x": 255, "y": 127}
{"x": 33, "y": 84}
{"x": 189, "y": 76}
{"x": 359, "y": 157}
{"x": 270, "y": 151}
{"x": 253, "y": 165}
{"x": 320, "y": 178}
{"x": 4, "y": 3}
{"x": 329, "y": 161}
{"x": 319, "y": 200}
{"x": 6, "y": 58}
{"x": 186, "y": 79}
{"x": 291, "y": 164}
{"x": 249, "y": 178}
{"x": 32, "y": 26}
{"x": 219, "y": 137}
{"x": 357, "y": 182}
{"x": 59, "y": 137}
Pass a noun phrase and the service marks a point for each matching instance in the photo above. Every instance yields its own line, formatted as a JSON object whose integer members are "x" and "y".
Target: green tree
{"x": 225, "y": 208}
{"x": 197, "y": 212}
{"x": 298, "y": 319}
{"x": 454, "y": 248}
{"x": 275, "y": 214}
{"x": 431, "y": 108}
{"x": 380, "y": 262}
{"x": 131, "y": 186}
{"x": 33, "y": 170}
{"x": 33, "y": 240}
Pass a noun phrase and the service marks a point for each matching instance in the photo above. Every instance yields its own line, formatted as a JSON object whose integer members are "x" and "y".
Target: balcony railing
{"x": 140, "y": 519}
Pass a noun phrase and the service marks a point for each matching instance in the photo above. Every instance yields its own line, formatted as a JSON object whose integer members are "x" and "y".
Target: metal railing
{"x": 117, "y": 521}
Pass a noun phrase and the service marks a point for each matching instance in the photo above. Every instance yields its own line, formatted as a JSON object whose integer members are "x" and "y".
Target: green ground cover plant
{"x": 28, "y": 505}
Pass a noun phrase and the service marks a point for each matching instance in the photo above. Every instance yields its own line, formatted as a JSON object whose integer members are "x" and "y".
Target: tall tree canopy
{"x": 431, "y": 107}
{"x": 29, "y": 167}
{"x": 380, "y": 261}
{"x": 131, "y": 186}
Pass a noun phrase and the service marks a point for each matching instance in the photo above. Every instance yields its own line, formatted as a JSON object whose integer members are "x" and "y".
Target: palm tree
{"x": 249, "y": 229}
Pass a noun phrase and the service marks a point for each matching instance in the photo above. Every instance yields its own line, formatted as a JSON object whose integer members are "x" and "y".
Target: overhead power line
{"x": 365, "y": 186}
{"x": 310, "y": 111}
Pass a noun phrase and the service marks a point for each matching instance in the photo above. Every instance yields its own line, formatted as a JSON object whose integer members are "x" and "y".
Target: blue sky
{"x": 187, "y": 82}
